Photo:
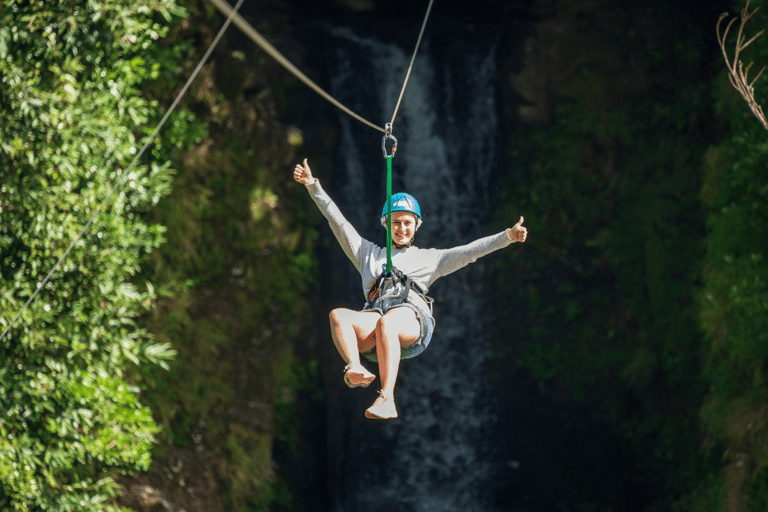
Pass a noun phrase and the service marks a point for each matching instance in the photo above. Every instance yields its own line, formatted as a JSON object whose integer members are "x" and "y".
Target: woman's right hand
{"x": 302, "y": 174}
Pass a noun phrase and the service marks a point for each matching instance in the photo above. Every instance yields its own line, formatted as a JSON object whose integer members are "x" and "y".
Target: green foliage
{"x": 734, "y": 296}
{"x": 757, "y": 490}
{"x": 291, "y": 377}
{"x": 72, "y": 106}
{"x": 604, "y": 307}
{"x": 276, "y": 498}
{"x": 631, "y": 299}
{"x": 230, "y": 280}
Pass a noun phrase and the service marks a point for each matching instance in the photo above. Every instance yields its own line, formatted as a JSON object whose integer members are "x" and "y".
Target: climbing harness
{"x": 122, "y": 179}
{"x": 394, "y": 276}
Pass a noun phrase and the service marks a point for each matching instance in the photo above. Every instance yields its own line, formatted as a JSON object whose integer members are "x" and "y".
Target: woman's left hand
{"x": 518, "y": 233}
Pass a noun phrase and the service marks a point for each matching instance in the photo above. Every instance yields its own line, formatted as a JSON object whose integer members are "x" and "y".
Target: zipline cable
{"x": 257, "y": 38}
{"x": 413, "y": 58}
{"x": 121, "y": 180}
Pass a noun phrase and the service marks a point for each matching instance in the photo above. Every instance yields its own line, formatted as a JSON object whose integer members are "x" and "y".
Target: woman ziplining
{"x": 396, "y": 322}
{"x": 232, "y": 16}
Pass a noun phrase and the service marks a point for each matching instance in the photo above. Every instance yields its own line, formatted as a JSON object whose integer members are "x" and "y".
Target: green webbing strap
{"x": 388, "y": 135}
{"x": 389, "y": 213}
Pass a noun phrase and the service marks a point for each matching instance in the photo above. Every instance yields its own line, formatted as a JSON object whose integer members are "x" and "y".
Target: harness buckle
{"x": 397, "y": 276}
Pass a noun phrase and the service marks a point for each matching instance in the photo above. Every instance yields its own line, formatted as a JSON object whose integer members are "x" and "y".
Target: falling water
{"x": 435, "y": 456}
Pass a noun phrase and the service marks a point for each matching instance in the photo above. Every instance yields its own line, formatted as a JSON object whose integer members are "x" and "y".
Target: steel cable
{"x": 257, "y": 38}
{"x": 413, "y": 59}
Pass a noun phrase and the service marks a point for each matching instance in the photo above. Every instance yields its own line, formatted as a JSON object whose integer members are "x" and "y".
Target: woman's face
{"x": 403, "y": 227}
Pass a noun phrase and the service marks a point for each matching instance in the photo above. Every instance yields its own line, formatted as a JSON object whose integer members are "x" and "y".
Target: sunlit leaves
{"x": 74, "y": 114}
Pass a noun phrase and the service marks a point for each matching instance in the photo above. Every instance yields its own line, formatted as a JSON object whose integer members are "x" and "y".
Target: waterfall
{"x": 434, "y": 457}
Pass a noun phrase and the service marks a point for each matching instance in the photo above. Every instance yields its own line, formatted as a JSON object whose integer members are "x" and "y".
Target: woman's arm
{"x": 455, "y": 258}
{"x": 351, "y": 242}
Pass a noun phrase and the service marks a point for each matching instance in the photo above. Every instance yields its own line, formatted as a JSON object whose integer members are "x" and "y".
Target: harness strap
{"x": 397, "y": 276}
{"x": 389, "y": 211}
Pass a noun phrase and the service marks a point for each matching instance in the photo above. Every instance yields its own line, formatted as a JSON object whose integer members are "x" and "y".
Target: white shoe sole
{"x": 373, "y": 416}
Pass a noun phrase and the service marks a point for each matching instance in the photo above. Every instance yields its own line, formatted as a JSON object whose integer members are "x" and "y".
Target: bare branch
{"x": 736, "y": 71}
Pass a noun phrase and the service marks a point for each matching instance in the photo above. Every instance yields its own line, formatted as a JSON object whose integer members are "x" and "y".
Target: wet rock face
{"x": 184, "y": 481}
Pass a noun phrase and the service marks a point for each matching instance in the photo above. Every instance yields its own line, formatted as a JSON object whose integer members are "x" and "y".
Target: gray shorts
{"x": 382, "y": 305}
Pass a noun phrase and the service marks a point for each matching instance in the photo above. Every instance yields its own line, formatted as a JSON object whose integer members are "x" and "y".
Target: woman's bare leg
{"x": 398, "y": 328}
{"x": 352, "y": 332}
{"x": 351, "y": 329}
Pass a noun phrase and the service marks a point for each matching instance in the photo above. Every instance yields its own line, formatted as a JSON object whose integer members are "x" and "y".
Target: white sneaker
{"x": 382, "y": 409}
{"x": 356, "y": 376}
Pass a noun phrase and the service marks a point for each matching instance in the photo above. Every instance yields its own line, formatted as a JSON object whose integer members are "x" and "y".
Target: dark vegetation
{"x": 639, "y": 304}
{"x": 641, "y": 299}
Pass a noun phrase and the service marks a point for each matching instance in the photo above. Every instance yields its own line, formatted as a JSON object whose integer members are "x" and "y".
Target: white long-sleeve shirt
{"x": 422, "y": 266}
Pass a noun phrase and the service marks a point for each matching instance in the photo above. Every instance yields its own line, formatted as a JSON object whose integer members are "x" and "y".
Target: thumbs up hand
{"x": 518, "y": 233}
{"x": 303, "y": 174}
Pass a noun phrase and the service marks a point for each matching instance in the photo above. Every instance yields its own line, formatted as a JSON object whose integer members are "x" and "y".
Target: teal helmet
{"x": 402, "y": 202}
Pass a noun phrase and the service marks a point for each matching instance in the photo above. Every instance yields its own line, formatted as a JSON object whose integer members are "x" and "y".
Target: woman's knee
{"x": 337, "y": 316}
{"x": 386, "y": 327}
